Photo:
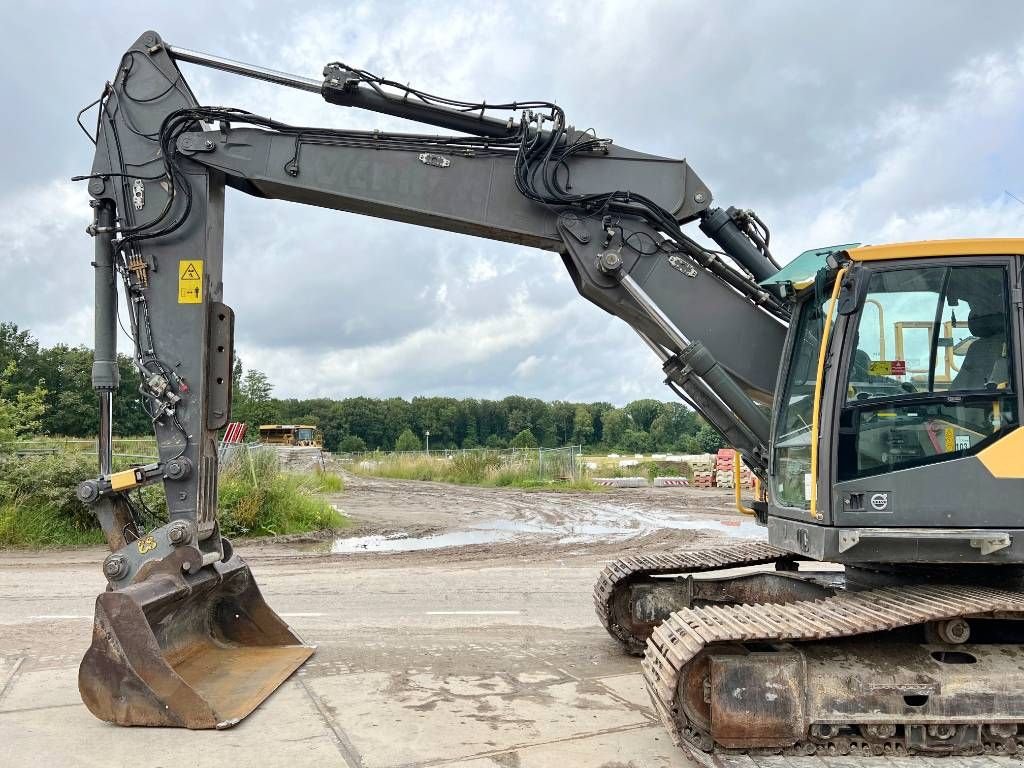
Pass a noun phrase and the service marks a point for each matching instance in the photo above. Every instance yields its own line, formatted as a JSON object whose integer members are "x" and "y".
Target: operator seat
{"x": 985, "y": 362}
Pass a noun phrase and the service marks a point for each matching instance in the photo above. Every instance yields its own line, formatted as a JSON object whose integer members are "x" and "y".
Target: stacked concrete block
{"x": 703, "y": 478}
{"x": 724, "y": 464}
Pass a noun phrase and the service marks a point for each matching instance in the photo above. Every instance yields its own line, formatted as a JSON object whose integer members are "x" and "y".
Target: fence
{"x": 135, "y": 449}
{"x": 143, "y": 450}
{"x": 564, "y": 464}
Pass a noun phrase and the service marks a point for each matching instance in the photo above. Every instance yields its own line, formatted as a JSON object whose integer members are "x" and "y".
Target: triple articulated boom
{"x": 861, "y": 449}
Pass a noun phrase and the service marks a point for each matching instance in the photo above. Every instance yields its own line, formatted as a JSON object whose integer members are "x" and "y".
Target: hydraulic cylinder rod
{"x": 696, "y": 356}
{"x": 245, "y": 70}
{"x": 104, "y": 368}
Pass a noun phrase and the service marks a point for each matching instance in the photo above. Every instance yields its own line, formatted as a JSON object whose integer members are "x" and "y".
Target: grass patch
{"x": 38, "y": 506}
{"x": 484, "y": 469}
{"x": 327, "y": 482}
{"x": 257, "y": 499}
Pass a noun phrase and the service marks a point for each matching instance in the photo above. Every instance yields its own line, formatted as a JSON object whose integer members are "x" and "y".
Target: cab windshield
{"x": 929, "y": 377}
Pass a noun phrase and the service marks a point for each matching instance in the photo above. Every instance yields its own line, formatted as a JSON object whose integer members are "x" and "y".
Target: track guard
{"x": 183, "y": 651}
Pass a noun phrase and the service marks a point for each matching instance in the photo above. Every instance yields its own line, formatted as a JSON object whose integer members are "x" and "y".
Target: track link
{"x": 620, "y": 573}
{"x": 679, "y": 639}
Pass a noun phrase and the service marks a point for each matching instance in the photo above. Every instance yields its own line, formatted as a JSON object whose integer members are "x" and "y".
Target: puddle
{"x": 626, "y": 524}
{"x": 401, "y": 542}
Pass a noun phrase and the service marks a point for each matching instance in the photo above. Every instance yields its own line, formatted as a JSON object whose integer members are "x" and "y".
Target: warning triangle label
{"x": 190, "y": 273}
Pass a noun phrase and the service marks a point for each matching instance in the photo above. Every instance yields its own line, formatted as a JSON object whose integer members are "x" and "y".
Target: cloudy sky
{"x": 837, "y": 122}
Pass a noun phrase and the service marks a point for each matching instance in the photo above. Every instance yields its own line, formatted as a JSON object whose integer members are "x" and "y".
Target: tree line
{"x": 62, "y": 374}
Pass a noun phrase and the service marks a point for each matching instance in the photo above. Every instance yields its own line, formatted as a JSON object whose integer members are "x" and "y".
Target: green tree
{"x": 469, "y": 439}
{"x": 71, "y": 405}
{"x": 518, "y": 420}
{"x": 708, "y": 440}
{"x": 236, "y": 375}
{"x": 643, "y": 412}
{"x": 582, "y": 425}
{"x": 636, "y": 441}
{"x": 352, "y": 444}
{"x": 495, "y": 442}
{"x": 525, "y": 439}
{"x": 18, "y": 347}
{"x": 20, "y": 410}
{"x": 687, "y": 444}
{"x": 397, "y": 419}
{"x": 407, "y": 441}
{"x": 253, "y": 405}
{"x": 614, "y": 424}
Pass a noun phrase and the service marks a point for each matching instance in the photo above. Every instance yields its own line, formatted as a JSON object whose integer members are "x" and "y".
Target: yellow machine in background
{"x": 304, "y": 435}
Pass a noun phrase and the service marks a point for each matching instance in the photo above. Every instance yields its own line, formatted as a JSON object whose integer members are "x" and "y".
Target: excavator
{"x": 873, "y": 390}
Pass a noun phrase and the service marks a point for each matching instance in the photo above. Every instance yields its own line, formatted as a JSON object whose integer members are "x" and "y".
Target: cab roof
{"x": 989, "y": 246}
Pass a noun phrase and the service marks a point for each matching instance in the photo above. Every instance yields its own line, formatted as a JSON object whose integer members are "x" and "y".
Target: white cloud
{"x": 526, "y": 367}
{"x": 914, "y": 135}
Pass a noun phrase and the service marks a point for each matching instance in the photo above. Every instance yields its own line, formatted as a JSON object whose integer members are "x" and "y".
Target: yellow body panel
{"x": 922, "y": 249}
{"x": 1004, "y": 459}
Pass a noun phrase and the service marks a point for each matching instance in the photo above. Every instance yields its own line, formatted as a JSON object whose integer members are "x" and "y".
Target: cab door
{"x": 928, "y": 380}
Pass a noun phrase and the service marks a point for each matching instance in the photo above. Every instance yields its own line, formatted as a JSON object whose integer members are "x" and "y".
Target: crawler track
{"x": 619, "y": 574}
{"x": 678, "y": 640}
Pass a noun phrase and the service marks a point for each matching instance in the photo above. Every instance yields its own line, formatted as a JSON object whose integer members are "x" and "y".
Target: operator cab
{"x": 918, "y": 370}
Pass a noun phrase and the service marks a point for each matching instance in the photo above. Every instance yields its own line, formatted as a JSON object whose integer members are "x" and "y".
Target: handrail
{"x": 819, "y": 375}
{"x": 737, "y": 472}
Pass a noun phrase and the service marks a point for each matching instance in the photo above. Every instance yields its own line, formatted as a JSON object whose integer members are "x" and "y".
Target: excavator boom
{"x": 183, "y": 637}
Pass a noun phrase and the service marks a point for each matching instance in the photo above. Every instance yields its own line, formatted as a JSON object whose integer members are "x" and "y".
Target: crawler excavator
{"x": 873, "y": 390}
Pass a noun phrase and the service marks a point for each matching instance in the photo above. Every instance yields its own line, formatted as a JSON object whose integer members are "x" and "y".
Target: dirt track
{"x": 498, "y": 523}
{"x": 487, "y": 654}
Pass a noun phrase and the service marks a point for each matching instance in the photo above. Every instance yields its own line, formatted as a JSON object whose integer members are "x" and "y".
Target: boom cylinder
{"x": 700, "y": 361}
{"x": 696, "y": 356}
{"x": 720, "y": 226}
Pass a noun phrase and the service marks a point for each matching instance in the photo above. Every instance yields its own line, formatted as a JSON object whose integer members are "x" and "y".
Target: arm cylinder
{"x": 245, "y": 70}
{"x": 105, "y": 377}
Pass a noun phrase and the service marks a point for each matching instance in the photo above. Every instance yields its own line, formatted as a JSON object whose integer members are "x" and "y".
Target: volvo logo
{"x": 879, "y": 501}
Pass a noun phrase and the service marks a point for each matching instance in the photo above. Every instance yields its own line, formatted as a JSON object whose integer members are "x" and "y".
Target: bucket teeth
{"x": 187, "y": 651}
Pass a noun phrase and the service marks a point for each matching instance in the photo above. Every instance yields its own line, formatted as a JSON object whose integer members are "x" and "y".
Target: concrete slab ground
{"x": 482, "y": 657}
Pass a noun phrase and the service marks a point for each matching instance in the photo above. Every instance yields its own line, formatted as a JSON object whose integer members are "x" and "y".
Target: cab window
{"x": 792, "y": 458}
{"x": 929, "y": 376}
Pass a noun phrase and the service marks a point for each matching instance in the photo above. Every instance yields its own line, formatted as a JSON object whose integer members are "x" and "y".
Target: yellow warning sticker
{"x": 190, "y": 281}
{"x": 950, "y": 440}
{"x": 888, "y": 368}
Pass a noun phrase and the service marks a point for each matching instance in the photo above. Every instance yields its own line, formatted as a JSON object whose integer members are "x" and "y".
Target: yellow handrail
{"x": 881, "y": 326}
{"x": 737, "y": 473}
{"x": 815, "y": 415}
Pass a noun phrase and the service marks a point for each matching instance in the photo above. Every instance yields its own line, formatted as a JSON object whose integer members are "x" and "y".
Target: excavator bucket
{"x": 184, "y": 651}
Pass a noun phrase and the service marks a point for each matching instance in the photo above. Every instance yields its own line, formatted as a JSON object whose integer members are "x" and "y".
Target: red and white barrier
{"x": 621, "y": 482}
